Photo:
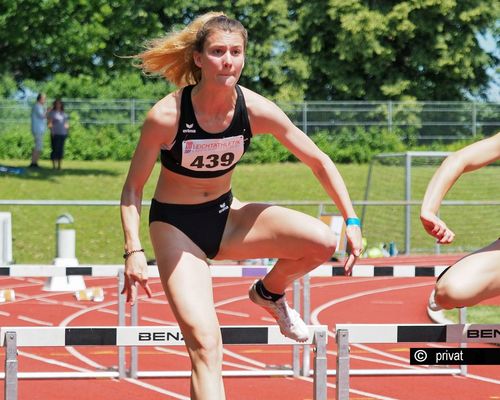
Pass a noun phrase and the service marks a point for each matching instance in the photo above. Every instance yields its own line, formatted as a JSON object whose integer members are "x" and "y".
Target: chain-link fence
{"x": 423, "y": 121}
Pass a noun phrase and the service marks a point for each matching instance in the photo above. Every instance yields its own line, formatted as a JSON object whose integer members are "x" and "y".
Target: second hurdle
{"x": 347, "y": 334}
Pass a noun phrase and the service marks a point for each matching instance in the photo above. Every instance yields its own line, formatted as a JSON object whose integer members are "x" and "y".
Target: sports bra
{"x": 200, "y": 154}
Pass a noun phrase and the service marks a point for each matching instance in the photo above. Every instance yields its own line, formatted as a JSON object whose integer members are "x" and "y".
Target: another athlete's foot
{"x": 289, "y": 321}
{"x": 433, "y": 306}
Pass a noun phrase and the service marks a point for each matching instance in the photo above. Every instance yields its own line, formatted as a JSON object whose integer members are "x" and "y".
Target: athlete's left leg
{"x": 299, "y": 242}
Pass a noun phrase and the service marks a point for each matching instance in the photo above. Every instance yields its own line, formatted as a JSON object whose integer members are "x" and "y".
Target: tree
{"x": 384, "y": 49}
{"x": 41, "y": 38}
{"x": 316, "y": 50}
{"x": 84, "y": 40}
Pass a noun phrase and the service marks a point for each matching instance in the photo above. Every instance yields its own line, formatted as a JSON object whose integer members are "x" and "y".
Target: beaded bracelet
{"x": 127, "y": 254}
{"x": 353, "y": 221}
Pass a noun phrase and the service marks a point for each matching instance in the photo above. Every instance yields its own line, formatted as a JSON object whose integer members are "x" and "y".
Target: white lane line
{"x": 154, "y": 301}
{"x": 389, "y": 302}
{"x": 34, "y": 321}
{"x": 5, "y": 314}
{"x": 159, "y": 321}
{"x": 107, "y": 311}
{"x": 248, "y": 360}
{"x": 226, "y": 363}
{"x": 484, "y": 378}
{"x": 234, "y": 313}
{"x": 230, "y": 300}
{"x": 48, "y": 301}
{"x": 383, "y": 354}
{"x": 73, "y": 305}
{"x": 52, "y": 361}
{"x": 375, "y": 360}
{"x": 157, "y": 389}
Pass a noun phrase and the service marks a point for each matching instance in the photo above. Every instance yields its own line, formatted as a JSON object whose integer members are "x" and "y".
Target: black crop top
{"x": 200, "y": 154}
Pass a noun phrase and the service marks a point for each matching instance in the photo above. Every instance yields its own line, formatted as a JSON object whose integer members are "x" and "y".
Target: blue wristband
{"x": 353, "y": 221}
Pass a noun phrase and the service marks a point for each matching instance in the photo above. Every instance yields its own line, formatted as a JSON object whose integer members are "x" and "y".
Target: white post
{"x": 296, "y": 347}
{"x": 6, "y": 238}
{"x": 10, "y": 383}
{"x": 342, "y": 388}
{"x": 320, "y": 366}
{"x": 65, "y": 257}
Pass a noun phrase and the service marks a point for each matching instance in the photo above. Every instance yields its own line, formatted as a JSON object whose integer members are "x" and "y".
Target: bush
{"x": 266, "y": 149}
{"x": 16, "y": 143}
{"x": 111, "y": 142}
{"x": 103, "y": 143}
{"x": 96, "y": 143}
{"x": 357, "y": 144}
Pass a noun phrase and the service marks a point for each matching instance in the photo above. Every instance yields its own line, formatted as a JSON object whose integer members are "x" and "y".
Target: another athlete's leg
{"x": 472, "y": 279}
{"x": 187, "y": 283}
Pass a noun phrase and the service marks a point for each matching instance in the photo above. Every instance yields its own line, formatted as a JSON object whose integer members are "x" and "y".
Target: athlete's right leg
{"x": 472, "y": 279}
{"x": 186, "y": 280}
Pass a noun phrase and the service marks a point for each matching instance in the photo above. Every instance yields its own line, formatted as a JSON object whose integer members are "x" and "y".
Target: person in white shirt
{"x": 38, "y": 127}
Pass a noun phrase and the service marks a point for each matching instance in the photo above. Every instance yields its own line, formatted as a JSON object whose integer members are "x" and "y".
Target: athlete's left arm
{"x": 267, "y": 117}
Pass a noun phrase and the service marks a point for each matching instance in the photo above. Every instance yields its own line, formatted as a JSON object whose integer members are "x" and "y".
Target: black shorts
{"x": 203, "y": 223}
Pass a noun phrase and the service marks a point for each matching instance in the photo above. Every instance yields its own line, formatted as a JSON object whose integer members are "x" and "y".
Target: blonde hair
{"x": 172, "y": 55}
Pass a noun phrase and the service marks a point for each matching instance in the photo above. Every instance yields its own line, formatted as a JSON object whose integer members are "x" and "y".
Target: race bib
{"x": 212, "y": 154}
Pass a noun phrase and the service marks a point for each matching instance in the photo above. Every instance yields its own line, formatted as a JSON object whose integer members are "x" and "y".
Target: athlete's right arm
{"x": 159, "y": 128}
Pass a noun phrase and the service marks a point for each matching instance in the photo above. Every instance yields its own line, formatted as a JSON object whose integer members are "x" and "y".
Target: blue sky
{"x": 488, "y": 43}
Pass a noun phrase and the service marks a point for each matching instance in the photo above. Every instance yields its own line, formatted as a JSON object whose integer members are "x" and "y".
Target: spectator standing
{"x": 58, "y": 122}
{"x": 38, "y": 126}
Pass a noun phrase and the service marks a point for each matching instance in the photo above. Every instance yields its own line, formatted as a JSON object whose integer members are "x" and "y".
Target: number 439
{"x": 213, "y": 160}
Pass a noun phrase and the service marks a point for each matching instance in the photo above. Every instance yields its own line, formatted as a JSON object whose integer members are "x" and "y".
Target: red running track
{"x": 334, "y": 300}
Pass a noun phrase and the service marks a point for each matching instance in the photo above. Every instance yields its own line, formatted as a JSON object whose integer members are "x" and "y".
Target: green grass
{"x": 476, "y": 315}
{"x": 98, "y": 229}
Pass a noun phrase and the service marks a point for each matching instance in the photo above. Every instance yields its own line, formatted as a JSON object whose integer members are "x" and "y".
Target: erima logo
{"x": 189, "y": 129}
{"x": 223, "y": 207}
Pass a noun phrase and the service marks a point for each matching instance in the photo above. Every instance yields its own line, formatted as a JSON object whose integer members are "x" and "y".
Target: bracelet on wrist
{"x": 353, "y": 221}
{"x": 127, "y": 254}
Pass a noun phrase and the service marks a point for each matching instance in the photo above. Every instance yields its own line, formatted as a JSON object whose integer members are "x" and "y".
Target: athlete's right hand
{"x": 436, "y": 227}
{"x": 136, "y": 273}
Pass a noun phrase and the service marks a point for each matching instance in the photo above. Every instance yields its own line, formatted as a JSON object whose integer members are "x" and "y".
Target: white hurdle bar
{"x": 347, "y": 334}
{"x": 14, "y": 337}
{"x": 396, "y": 271}
{"x": 225, "y": 271}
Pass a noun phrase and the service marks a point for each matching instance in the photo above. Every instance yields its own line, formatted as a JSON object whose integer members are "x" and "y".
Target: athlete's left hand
{"x": 355, "y": 246}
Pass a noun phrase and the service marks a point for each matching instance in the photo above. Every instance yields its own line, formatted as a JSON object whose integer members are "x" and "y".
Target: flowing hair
{"x": 172, "y": 56}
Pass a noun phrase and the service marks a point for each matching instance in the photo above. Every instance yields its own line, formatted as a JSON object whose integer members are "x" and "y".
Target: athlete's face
{"x": 223, "y": 58}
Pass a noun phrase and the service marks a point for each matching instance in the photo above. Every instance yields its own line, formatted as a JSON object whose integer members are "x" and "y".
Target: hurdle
{"x": 14, "y": 337}
{"x": 117, "y": 271}
{"x": 219, "y": 271}
{"x": 371, "y": 271}
{"x": 347, "y": 334}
